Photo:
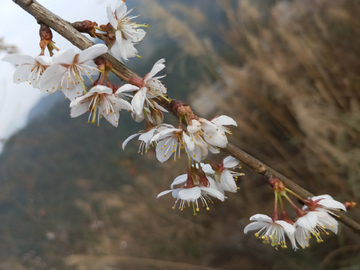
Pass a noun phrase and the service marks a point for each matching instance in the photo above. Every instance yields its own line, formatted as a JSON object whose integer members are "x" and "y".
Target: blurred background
{"x": 287, "y": 71}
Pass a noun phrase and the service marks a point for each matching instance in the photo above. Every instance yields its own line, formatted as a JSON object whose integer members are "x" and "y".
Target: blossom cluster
{"x": 204, "y": 182}
{"x": 314, "y": 219}
{"x": 69, "y": 72}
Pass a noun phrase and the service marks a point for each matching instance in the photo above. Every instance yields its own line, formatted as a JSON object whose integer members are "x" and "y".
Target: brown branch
{"x": 43, "y": 15}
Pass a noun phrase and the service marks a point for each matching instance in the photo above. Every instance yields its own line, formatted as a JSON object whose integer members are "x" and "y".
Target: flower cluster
{"x": 314, "y": 219}
{"x": 67, "y": 71}
{"x": 202, "y": 183}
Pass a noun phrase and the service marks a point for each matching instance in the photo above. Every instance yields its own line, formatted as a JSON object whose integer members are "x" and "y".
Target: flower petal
{"x": 213, "y": 192}
{"x": 111, "y": 17}
{"x": 159, "y": 65}
{"x": 64, "y": 57}
{"x": 230, "y": 162}
{"x": 179, "y": 180}
{"x": 164, "y": 193}
{"x": 79, "y": 108}
{"x": 224, "y": 120}
{"x": 127, "y": 88}
{"x": 190, "y": 194}
{"x": 255, "y": 226}
{"x": 92, "y": 52}
{"x": 128, "y": 139}
{"x": 261, "y": 217}
{"x": 121, "y": 10}
{"x": 138, "y": 101}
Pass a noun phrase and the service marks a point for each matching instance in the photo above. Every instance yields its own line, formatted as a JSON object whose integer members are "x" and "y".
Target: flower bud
{"x": 46, "y": 39}
{"x": 85, "y": 27}
{"x": 350, "y": 205}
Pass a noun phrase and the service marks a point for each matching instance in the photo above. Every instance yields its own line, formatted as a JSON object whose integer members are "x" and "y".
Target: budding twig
{"x": 64, "y": 28}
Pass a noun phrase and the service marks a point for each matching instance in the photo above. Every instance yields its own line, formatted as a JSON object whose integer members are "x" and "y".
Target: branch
{"x": 43, "y": 15}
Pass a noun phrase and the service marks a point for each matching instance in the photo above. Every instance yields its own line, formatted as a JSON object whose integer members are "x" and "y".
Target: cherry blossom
{"x": 100, "y": 101}
{"x": 29, "y": 69}
{"x": 214, "y": 130}
{"x": 151, "y": 88}
{"x": 223, "y": 176}
{"x": 170, "y": 140}
{"x": 272, "y": 231}
{"x": 189, "y": 193}
{"x": 126, "y": 32}
{"x": 67, "y": 71}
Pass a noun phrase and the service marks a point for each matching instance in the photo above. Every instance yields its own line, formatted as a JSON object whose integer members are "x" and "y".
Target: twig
{"x": 43, "y": 15}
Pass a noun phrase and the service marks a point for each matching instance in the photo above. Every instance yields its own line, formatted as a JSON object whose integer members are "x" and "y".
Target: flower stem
{"x": 293, "y": 193}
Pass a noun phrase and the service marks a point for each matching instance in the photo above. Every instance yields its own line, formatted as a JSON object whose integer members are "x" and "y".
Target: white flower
{"x": 223, "y": 176}
{"x": 169, "y": 141}
{"x": 272, "y": 231}
{"x": 318, "y": 219}
{"x": 29, "y": 69}
{"x": 214, "y": 130}
{"x": 191, "y": 194}
{"x": 100, "y": 101}
{"x": 325, "y": 202}
{"x": 151, "y": 88}
{"x": 145, "y": 137}
{"x": 127, "y": 33}
{"x": 199, "y": 148}
{"x": 67, "y": 71}
{"x": 313, "y": 223}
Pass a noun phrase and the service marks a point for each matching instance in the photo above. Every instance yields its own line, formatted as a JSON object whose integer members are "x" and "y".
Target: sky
{"x": 19, "y": 28}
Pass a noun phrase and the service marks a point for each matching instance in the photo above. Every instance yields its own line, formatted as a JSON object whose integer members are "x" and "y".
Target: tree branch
{"x": 43, "y": 15}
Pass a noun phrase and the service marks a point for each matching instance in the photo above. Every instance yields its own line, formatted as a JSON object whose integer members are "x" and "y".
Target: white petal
{"x": 179, "y": 180}
{"x": 194, "y": 126}
{"x": 159, "y": 65}
{"x": 121, "y": 10}
{"x": 207, "y": 168}
{"x": 165, "y": 133}
{"x": 163, "y": 153}
{"x": 288, "y": 228}
{"x": 44, "y": 60}
{"x": 163, "y": 193}
{"x": 111, "y": 17}
{"x": 147, "y": 136}
{"x": 230, "y": 162}
{"x": 325, "y": 196}
{"x": 78, "y": 108}
{"x": 101, "y": 89}
{"x": 64, "y": 57}
{"x": 227, "y": 181}
{"x": 190, "y": 145}
{"x": 51, "y": 78}
{"x": 224, "y": 120}
{"x": 122, "y": 104}
{"x": 217, "y": 139}
{"x": 213, "y": 192}
{"x": 261, "y": 217}
{"x": 112, "y": 118}
{"x": 138, "y": 101}
{"x": 132, "y": 34}
{"x": 19, "y": 59}
{"x": 92, "y": 52}
{"x": 332, "y": 204}
{"x": 255, "y": 226}
{"x": 22, "y": 73}
{"x": 128, "y": 139}
{"x": 126, "y": 88}
{"x": 190, "y": 194}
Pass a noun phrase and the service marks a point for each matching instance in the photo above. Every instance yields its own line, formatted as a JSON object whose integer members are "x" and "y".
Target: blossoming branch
{"x": 204, "y": 181}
